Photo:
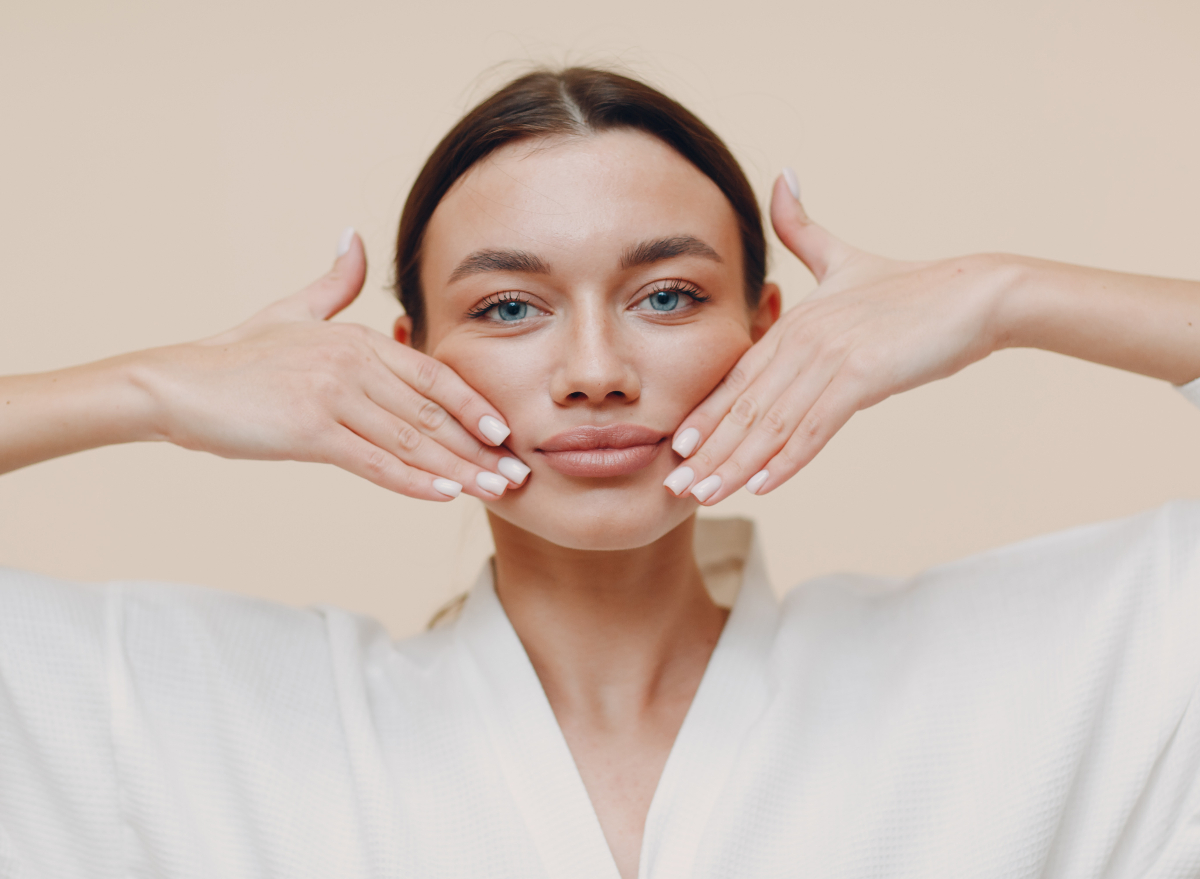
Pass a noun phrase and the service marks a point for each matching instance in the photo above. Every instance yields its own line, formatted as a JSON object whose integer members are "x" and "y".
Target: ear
{"x": 402, "y": 330}
{"x": 770, "y": 302}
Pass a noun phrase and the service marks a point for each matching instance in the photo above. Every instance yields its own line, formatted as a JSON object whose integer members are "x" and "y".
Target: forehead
{"x": 577, "y": 200}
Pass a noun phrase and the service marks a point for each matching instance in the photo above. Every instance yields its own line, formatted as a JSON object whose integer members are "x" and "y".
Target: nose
{"x": 596, "y": 365}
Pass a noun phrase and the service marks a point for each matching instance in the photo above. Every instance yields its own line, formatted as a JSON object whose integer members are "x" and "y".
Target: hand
{"x": 873, "y": 327}
{"x": 288, "y": 384}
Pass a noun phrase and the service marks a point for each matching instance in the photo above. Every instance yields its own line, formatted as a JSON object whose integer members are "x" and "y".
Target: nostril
{"x": 578, "y": 395}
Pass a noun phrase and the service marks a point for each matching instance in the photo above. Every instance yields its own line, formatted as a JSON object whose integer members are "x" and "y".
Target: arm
{"x": 875, "y": 327}
{"x": 287, "y": 384}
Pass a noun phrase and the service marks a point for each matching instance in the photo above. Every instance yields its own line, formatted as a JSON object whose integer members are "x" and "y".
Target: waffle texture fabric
{"x": 1032, "y": 711}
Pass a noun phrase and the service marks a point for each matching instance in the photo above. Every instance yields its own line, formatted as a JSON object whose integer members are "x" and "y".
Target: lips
{"x": 611, "y": 450}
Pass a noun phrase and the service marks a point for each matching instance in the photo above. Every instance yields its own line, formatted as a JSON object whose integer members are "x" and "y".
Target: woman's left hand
{"x": 873, "y": 327}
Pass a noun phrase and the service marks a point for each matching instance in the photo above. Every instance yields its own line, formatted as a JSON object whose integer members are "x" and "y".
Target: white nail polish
{"x": 789, "y": 177}
{"x": 493, "y": 429}
{"x": 680, "y": 479}
{"x": 345, "y": 241}
{"x": 685, "y": 443}
{"x": 448, "y": 487}
{"x": 706, "y": 488}
{"x": 757, "y": 481}
{"x": 491, "y": 482}
{"x": 513, "y": 469}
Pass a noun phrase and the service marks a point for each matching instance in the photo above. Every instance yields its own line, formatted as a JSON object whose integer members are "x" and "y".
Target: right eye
{"x": 506, "y": 307}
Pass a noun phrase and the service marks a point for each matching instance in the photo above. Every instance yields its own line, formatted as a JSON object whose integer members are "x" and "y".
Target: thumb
{"x": 331, "y": 292}
{"x": 817, "y": 248}
{"x": 336, "y": 289}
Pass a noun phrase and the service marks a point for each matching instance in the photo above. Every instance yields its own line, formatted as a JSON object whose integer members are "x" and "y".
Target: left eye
{"x": 663, "y": 300}
{"x": 513, "y": 310}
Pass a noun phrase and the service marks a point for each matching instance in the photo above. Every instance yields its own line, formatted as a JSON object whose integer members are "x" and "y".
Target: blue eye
{"x": 663, "y": 300}
{"x": 513, "y": 310}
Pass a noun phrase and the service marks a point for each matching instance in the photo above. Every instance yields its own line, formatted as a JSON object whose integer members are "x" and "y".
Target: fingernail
{"x": 513, "y": 469}
{"x": 448, "y": 487}
{"x": 685, "y": 443}
{"x": 680, "y": 479}
{"x": 757, "y": 481}
{"x": 345, "y": 241}
{"x": 493, "y": 429}
{"x": 491, "y": 482}
{"x": 706, "y": 488}
{"x": 789, "y": 177}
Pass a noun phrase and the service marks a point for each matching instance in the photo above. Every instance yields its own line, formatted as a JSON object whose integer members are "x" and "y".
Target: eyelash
{"x": 673, "y": 286}
{"x": 495, "y": 299}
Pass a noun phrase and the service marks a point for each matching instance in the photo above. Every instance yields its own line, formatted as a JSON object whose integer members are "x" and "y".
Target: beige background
{"x": 168, "y": 169}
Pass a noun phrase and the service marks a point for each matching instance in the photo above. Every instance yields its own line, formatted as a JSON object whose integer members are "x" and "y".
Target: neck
{"x": 610, "y": 633}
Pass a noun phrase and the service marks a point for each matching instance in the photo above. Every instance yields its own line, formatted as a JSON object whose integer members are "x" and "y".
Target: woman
{"x": 587, "y": 320}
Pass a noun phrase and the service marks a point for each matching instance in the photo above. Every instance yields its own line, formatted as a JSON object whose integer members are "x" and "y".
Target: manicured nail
{"x": 706, "y": 488}
{"x": 513, "y": 469}
{"x": 491, "y": 482}
{"x": 680, "y": 479}
{"x": 685, "y": 443}
{"x": 789, "y": 177}
{"x": 448, "y": 487}
{"x": 345, "y": 241}
{"x": 494, "y": 429}
{"x": 757, "y": 481}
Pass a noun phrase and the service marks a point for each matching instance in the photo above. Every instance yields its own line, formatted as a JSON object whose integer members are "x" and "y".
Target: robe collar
{"x": 533, "y": 755}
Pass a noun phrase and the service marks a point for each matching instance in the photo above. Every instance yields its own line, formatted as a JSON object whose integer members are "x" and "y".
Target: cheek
{"x": 681, "y": 373}
{"x": 502, "y": 370}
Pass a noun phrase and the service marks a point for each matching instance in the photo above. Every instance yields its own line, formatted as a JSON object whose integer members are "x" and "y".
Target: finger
{"x": 355, "y": 455}
{"x": 404, "y": 442}
{"x": 827, "y": 416}
{"x": 736, "y": 452}
{"x": 700, "y": 423}
{"x": 334, "y": 290}
{"x": 760, "y": 423}
{"x": 817, "y": 248}
{"x": 436, "y": 381}
{"x": 383, "y": 388}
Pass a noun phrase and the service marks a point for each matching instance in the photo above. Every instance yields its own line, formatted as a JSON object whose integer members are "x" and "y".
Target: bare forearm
{"x": 1142, "y": 324}
{"x": 52, "y": 414}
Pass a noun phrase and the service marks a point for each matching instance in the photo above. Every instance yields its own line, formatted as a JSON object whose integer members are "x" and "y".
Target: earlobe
{"x": 402, "y": 330}
{"x": 770, "y": 303}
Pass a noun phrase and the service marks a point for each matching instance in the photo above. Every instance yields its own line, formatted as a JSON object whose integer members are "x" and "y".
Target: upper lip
{"x": 610, "y": 436}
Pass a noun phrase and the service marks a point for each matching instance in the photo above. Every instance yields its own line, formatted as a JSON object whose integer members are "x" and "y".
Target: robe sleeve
{"x": 59, "y": 809}
{"x": 1191, "y": 390}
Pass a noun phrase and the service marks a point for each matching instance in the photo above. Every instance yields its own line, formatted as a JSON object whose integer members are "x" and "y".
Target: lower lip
{"x": 603, "y": 462}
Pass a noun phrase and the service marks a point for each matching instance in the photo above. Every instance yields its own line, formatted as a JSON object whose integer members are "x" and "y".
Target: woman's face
{"x": 591, "y": 289}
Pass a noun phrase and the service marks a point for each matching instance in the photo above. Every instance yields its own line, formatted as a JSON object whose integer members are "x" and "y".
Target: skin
{"x": 598, "y": 576}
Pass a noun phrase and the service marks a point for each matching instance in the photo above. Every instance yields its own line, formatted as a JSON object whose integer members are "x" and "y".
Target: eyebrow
{"x": 500, "y": 261}
{"x": 641, "y": 254}
{"x": 667, "y": 248}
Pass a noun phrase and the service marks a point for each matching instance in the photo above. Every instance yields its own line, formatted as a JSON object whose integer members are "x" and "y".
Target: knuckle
{"x": 432, "y": 416}
{"x": 376, "y": 463}
{"x": 744, "y": 411}
{"x": 408, "y": 437}
{"x": 428, "y": 371}
{"x": 736, "y": 378}
{"x": 703, "y": 461}
{"x": 774, "y": 423}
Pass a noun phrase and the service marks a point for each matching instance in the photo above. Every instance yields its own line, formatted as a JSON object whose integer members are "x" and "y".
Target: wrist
{"x": 1011, "y": 285}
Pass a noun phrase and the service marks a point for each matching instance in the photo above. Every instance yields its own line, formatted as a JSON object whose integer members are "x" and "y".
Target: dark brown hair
{"x": 580, "y": 101}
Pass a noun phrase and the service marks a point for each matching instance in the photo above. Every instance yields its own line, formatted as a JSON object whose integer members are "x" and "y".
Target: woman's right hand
{"x": 289, "y": 384}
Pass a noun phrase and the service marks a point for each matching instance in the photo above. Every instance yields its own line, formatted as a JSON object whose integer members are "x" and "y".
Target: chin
{"x": 598, "y": 518}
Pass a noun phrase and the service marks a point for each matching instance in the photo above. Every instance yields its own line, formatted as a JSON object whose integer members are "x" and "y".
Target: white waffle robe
{"x": 1033, "y": 711}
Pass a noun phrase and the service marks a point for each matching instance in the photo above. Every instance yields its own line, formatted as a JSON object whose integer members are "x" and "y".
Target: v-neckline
{"x": 541, "y": 772}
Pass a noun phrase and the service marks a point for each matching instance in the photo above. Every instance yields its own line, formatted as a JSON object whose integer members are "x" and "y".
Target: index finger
{"x": 703, "y": 420}
{"x": 438, "y": 382}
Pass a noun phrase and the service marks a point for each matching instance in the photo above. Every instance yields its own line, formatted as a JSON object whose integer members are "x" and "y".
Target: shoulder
{"x": 1088, "y": 589}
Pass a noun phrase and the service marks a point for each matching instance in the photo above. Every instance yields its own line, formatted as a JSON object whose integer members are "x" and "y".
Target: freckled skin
{"x": 592, "y": 351}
